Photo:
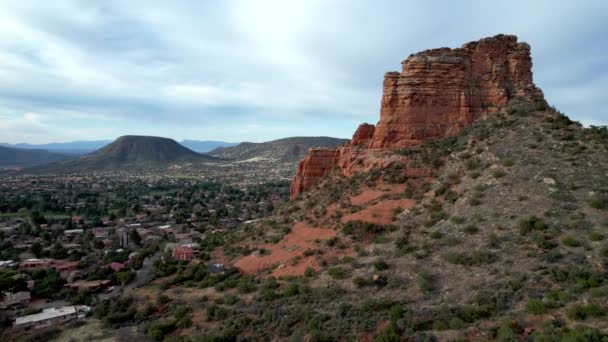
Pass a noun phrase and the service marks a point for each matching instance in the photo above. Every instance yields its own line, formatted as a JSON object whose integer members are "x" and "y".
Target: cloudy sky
{"x": 257, "y": 70}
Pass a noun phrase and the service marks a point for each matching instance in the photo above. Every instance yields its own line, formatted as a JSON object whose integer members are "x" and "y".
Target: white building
{"x": 52, "y": 316}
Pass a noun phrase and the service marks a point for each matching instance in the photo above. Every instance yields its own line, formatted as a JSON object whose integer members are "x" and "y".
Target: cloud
{"x": 217, "y": 70}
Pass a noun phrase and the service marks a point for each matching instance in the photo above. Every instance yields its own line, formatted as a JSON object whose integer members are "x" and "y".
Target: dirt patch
{"x": 380, "y": 213}
{"x": 284, "y": 254}
{"x": 369, "y": 194}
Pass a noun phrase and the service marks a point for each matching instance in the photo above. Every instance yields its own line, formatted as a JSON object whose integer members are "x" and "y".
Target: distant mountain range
{"x": 20, "y": 157}
{"x": 87, "y": 146}
{"x": 282, "y": 150}
{"x": 137, "y": 152}
{"x": 204, "y": 146}
{"x": 130, "y": 152}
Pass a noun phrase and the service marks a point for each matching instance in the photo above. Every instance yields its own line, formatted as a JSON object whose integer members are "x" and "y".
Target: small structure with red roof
{"x": 183, "y": 253}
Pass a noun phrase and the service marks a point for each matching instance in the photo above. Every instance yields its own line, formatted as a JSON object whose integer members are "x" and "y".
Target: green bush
{"x": 337, "y": 272}
{"x": 475, "y": 258}
{"x": 581, "y": 312}
{"x": 535, "y": 307}
{"x": 456, "y": 323}
{"x": 570, "y": 241}
{"x": 531, "y": 223}
{"x": 380, "y": 265}
{"x": 436, "y": 235}
{"x": 596, "y": 236}
{"x": 599, "y": 201}
{"x": 498, "y": 174}
{"x": 471, "y": 229}
{"x": 425, "y": 282}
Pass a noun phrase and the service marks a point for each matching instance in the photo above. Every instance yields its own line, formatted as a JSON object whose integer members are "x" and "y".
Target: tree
{"x": 135, "y": 237}
{"x": 124, "y": 277}
{"x": 36, "y": 249}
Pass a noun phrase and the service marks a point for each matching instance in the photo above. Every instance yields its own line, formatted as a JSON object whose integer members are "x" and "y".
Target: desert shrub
{"x": 531, "y": 223}
{"x": 457, "y": 219}
{"x": 570, "y": 241}
{"x": 436, "y": 235}
{"x": 599, "y": 201}
{"x": 359, "y": 229}
{"x": 216, "y": 313}
{"x": 535, "y": 306}
{"x": 508, "y": 162}
{"x": 473, "y": 164}
{"x": 498, "y": 174}
{"x": 380, "y": 265}
{"x": 387, "y": 334}
{"x": 471, "y": 229}
{"x": 582, "y": 312}
{"x": 475, "y": 258}
{"x": 337, "y": 272}
{"x": 596, "y": 236}
{"x": 456, "y": 323}
{"x": 425, "y": 282}
{"x": 309, "y": 272}
{"x": 403, "y": 246}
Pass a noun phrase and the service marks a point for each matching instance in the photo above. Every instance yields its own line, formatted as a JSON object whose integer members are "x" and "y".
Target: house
{"x": 94, "y": 285}
{"x": 183, "y": 253}
{"x": 65, "y": 268}
{"x": 73, "y": 232}
{"x": 34, "y": 263}
{"x": 114, "y": 266}
{"x": 15, "y": 300}
{"x": 51, "y": 316}
{"x": 7, "y": 263}
{"x": 183, "y": 238}
{"x": 100, "y": 233}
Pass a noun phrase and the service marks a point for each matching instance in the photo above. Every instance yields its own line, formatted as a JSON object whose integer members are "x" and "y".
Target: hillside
{"x": 131, "y": 152}
{"x": 19, "y": 157}
{"x": 204, "y": 146}
{"x": 283, "y": 150}
{"x": 472, "y": 211}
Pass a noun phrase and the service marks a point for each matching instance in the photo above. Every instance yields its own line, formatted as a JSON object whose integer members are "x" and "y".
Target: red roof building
{"x": 183, "y": 253}
{"x": 115, "y": 266}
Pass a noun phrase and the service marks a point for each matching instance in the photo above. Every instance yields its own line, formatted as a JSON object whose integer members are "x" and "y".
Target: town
{"x": 71, "y": 242}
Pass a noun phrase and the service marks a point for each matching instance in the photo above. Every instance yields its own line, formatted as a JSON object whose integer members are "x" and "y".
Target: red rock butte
{"x": 437, "y": 93}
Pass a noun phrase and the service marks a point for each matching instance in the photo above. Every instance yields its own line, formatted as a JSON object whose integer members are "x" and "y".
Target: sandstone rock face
{"x": 363, "y": 135}
{"x": 437, "y": 93}
{"x": 314, "y": 166}
{"x": 440, "y": 91}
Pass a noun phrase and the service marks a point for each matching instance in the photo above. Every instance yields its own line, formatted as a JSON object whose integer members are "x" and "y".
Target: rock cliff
{"x": 437, "y": 93}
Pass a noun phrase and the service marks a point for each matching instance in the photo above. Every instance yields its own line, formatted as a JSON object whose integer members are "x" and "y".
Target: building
{"x": 34, "y": 263}
{"x": 89, "y": 285}
{"x": 52, "y": 316}
{"x": 114, "y": 266}
{"x": 15, "y": 300}
{"x": 183, "y": 253}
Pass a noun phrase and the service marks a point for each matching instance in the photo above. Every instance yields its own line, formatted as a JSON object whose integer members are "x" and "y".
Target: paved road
{"x": 142, "y": 277}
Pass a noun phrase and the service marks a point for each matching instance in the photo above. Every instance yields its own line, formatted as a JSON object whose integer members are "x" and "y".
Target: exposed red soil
{"x": 380, "y": 213}
{"x": 370, "y": 194}
{"x": 294, "y": 244}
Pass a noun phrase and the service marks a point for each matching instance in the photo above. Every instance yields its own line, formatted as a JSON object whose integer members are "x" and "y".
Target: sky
{"x": 257, "y": 70}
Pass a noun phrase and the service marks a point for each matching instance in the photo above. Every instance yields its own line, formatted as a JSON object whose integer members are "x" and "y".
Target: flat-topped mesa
{"x": 437, "y": 93}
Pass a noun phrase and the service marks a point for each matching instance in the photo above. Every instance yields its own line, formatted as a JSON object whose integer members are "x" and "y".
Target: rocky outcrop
{"x": 363, "y": 135}
{"x": 315, "y": 165}
{"x": 437, "y": 93}
{"x": 440, "y": 91}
